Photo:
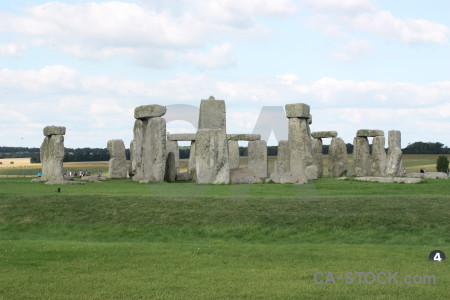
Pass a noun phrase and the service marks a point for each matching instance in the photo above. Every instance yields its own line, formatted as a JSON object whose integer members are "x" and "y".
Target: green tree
{"x": 442, "y": 164}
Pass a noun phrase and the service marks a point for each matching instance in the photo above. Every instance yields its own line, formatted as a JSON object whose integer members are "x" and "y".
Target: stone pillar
{"x": 394, "y": 155}
{"x": 282, "y": 163}
{"x": 149, "y": 153}
{"x": 118, "y": 160}
{"x": 233, "y": 150}
{"x": 191, "y": 164}
{"x": 171, "y": 170}
{"x": 337, "y": 158}
{"x": 361, "y": 156}
{"x": 52, "y": 153}
{"x": 378, "y": 157}
{"x": 317, "y": 146}
{"x": 172, "y": 146}
{"x": 211, "y": 151}
{"x": 257, "y": 158}
{"x": 301, "y": 160}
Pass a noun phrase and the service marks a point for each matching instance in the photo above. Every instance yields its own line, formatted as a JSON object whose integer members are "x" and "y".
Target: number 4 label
{"x": 437, "y": 255}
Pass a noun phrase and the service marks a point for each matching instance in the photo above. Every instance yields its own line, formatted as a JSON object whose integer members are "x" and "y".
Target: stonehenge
{"x": 214, "y": 153}
{"x": 118, "y": 162}
{"x": 52, "y": 154}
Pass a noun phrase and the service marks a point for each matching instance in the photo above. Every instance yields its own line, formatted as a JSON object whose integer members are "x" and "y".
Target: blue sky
{"x": 358, "y": 63}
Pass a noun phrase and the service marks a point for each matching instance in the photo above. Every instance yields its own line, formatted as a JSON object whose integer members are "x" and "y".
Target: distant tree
{"x": 426, "y": 148}
{"x": 442, "y": 164}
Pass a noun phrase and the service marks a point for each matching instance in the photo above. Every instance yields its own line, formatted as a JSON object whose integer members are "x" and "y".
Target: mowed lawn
{"x": 124, "y": 240}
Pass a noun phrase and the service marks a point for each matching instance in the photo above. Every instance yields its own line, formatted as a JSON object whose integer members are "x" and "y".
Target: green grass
{"x": 121, "y": 239}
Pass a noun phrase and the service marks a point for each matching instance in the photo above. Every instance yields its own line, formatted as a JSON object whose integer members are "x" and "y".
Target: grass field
{"x": 124, "y": 240}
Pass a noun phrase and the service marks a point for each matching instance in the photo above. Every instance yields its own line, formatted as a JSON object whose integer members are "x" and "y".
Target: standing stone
{"x": 361, "y": 156}
{"x": 394, "y": 155}
{"x": 191, "y": 164}
{"x": 137, "y": 148}
{"x": 171, "y": 170}
{"x": 378, "y": 157}
{"x": 172, "y": 146}
{"x": 337, "y": 158}
{"x": 257, "y": 158}
{"x": 154, "y": 151}
{"x": 211, "y": 151}
{"x": 132, "y": 170}
{"x": 212, "y": 114}
{"x": 233, "y": 150}
{"x": 118, "y": 161}
{"x": 317, "y": 146}
{"x": 300, "y": 147}
{"x": 52, "y": 154}
{"x": 282, "y": 163}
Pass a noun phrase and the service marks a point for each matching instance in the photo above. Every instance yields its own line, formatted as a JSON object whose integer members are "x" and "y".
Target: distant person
{"x": 100, "y": 174}
{"x": 404, "y": 172}
{"x": 422, "y": 170}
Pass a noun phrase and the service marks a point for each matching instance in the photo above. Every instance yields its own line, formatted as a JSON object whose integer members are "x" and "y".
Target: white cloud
{"x": 12, "y": 49}
{"x": 219, "y": 56}
{"x": 340, "y": 5}
{"x": 353, "y": 50}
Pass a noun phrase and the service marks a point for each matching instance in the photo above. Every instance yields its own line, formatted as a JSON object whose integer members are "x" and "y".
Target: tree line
{"x": 101, "y": 154}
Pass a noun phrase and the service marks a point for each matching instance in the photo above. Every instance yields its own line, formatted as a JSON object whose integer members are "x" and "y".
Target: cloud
{"x": 353, "y": 50}
{"x": 351, "y": 16}
{"x": 12, "y": 49}
{"x": 156, "y": 34}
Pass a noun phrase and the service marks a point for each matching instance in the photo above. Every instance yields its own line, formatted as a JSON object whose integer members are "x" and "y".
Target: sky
{"x": 359, "y": 64}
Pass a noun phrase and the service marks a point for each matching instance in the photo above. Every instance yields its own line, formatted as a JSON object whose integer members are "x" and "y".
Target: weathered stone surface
{"x": 300, "y": 146}
{"x": 310, "y": 119}
{"x": 153, "y": 164}
{"x": 257, "y": 158}
{"x": 188, "y": 137}
{"x": 337, "y": 158}
{"x": 317, "y": 146}
{"x": 288, "y": 177}
{"x": 52, "y": 155}
{"x": 183, "y": 176}
{"x": 243, "y": 137}
{"x": 244, "y": 176}
{"x": 297, "y": 110}
{"x": 324, "y": 134}
{"x": 369, "y": 133}
{"x": 212, "y": 114}
{"x": 149, "y": 111}
{"x": 191, "y": 164}
{"x": 54, "y": 130}
{"x": 172, "y": 146}
{"x": 282, "y": 163}
{"x": 431, "y": 175}
{"x": 394, "y": 155}
{"x": 211, "y": 151}
{"x": 378, "y": 157}
{"x": 390, "y": 179}
{"x": 132, "y": 170}
{"x": 171, "y": 170}
{"x": 233, "y": 151}
{"x": 136, "y": 148}
{"x": 118, "y": 161}
{"x": 361, "y": 156}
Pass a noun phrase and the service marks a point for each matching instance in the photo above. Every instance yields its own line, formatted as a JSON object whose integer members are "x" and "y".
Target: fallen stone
{"x": 337, "y": 158}
{"x": 297, "y": 110}
{"x": 257, "y": 158}
{"x": 324, "y": 134}
{"x": 149, "y": 111}
{"x": 54, "y": 130}
{"x": 244, "y": 176}
{"x": 369, "y": 133}
{"x": 390, "y": 179}
{"x": 211, "y": 156}
{"x": 288, "y": 177}
{"x": 187, "y": 137}
{"x": 430, "y": 175}
{"x": 65, "y": 182}
{"x": 244, "y": 137}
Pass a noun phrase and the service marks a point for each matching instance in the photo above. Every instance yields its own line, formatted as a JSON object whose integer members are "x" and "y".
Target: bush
{"x": 442, "y": 164}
